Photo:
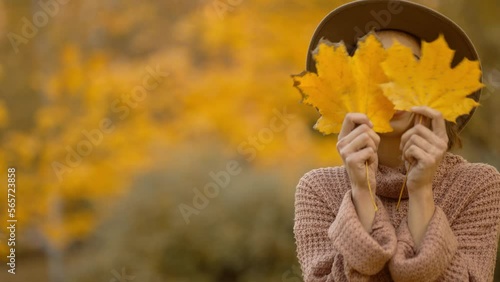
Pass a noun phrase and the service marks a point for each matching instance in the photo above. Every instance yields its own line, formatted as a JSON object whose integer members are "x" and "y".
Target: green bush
{"x": 244, "y": 234}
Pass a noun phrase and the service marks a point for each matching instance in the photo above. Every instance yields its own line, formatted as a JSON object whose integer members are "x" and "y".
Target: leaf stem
{"x": 403, "y": 188}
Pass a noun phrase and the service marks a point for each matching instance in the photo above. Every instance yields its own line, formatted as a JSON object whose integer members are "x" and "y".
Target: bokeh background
{"x": 162, "y": 140}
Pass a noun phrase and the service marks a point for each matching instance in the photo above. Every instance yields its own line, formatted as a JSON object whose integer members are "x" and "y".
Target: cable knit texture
{"x": 459, "y": 245}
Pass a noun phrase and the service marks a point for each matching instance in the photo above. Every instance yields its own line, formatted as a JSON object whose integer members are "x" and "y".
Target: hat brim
{"x": 351, "y": 21}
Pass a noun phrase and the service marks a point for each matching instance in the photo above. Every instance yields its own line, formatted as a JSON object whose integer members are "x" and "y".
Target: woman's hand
{"x": 357, "y": 145}
{"x": 424, "y": 148}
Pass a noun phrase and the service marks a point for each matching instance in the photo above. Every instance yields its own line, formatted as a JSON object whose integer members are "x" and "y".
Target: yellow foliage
{"x": 212, "y": 94}
{"x": 346, "y": 84}
{"x": 431, "y": 81}
{"x": 3, "y": 114}
{"x": 74, "y": 76}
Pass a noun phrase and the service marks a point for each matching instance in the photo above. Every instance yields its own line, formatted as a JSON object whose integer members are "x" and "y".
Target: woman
{"x": 447, "y": 225}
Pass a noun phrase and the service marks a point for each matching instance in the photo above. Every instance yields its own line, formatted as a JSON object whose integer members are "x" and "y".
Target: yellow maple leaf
{"x": 345, "y": 84}
{"x": 431, "y": 81}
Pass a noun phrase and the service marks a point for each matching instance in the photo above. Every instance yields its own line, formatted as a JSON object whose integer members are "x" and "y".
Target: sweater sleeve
{"x": 462, "y": 251}
{"x": 335, "y": 247}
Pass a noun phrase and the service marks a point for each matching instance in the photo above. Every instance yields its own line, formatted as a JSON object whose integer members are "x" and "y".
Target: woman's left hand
{"x": 424, "y": 148}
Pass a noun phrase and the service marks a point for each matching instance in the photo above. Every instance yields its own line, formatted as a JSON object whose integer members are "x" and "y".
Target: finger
{"x": 372, "y": 158}
{"x": 359, "y": 159}
{"x": 420, "y": 142}
{"x": 360, "y": 142}
{"x": 439, "y": 127}
{"x": 352, "y": 120}
{"x": 409, "y": 133}
{"x": 361, "y": 129}
{"x": 421, "y": 119}
{"x": 437, "y": 120}
{"x": 425, "y": 133}
{"x": 425, "y": 111}
{"x": 416, "y": 153}
{"x": 364, "y": 129}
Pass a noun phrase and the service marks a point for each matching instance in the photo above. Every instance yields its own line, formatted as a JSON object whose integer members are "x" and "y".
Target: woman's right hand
{"x": 357, "y": 145}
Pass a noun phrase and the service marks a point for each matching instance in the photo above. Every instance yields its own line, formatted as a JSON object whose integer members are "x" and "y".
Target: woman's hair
{"x": 453, "y": 137}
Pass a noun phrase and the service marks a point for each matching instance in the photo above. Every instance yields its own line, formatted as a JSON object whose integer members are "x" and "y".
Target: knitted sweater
{"x": 460, "y": 242}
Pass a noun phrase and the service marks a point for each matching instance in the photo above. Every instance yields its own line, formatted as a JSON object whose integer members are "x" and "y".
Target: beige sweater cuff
{"x": 366, "y": 253}
{"x": 431, "y": 259}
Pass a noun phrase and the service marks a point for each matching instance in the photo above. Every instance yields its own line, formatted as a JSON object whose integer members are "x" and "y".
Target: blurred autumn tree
{"x": 228, "y": 65}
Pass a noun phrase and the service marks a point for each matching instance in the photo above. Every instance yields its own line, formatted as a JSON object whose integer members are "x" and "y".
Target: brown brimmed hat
{"x": 351, "y": 21}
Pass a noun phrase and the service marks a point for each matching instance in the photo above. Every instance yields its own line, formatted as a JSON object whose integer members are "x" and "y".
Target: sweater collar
{"x": 390, "y": 180}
